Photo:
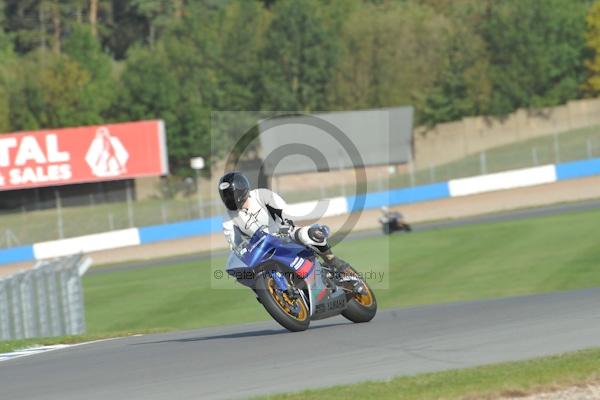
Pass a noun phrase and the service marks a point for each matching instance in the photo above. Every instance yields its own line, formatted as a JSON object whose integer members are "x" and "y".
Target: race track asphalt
{"x": 261, "y": 358}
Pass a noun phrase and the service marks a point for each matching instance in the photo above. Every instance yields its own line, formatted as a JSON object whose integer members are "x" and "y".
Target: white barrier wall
{"x": 503, "y": 180}
{"x": 309, "y": 210}
{"x": 87, "y": 244}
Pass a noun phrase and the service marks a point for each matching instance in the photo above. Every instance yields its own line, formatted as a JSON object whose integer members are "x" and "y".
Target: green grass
{"x": 42, "y": 225}
{"x": 464, "y": 263}
{"x": 501, "y": 380}
{"x": 12, "y": 345}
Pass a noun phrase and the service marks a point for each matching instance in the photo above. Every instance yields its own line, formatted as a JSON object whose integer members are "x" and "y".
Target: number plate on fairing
{"x": 330, "y": 307}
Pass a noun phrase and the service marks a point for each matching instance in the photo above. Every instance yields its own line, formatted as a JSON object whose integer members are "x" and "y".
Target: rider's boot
{"x": 336, "y": 264}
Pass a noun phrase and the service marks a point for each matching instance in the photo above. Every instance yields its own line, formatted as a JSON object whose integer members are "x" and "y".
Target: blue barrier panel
{"x": 16, "y": 254}
{"x": 399, "y": 196}
{"x": 578, "y": 169}
{"x": 178, "y": 230}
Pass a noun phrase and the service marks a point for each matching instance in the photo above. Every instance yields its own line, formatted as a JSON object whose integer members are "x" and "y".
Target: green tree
{"x": 463, "y": 86}
{"x": 242, "y": 29}
{"x": 299, "y": 57}
{"x": 47, "y": 92}
{"x": 99, "y": 94}
{"x": 392, "y": 55}
{"x": 7, "y": 64}
{"x": 536, "y": 51}
{"x": 178, "y": 82}
{"x": 158, "y": 15}
{"x": 592, "y": 37}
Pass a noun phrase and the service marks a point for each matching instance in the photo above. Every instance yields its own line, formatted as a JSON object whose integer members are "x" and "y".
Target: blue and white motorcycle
{"x": 294, "y": 287}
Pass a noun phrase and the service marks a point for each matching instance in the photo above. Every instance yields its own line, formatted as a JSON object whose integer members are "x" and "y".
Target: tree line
{"x": 75, "y": 62}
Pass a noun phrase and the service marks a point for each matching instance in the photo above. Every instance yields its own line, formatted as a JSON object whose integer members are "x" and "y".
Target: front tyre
{"x": 361, "y": 307}
{"x": 292, "y": 314}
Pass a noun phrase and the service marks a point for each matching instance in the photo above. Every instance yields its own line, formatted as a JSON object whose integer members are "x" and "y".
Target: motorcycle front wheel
{"x": 290, "y": 313}
{"x": 361, "y": 307}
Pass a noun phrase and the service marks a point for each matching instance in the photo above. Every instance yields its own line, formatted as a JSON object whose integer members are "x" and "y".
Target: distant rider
{"x": 250, "y": 210}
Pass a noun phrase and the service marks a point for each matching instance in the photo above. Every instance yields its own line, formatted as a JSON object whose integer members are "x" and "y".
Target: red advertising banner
{"x": 85, "y": 154}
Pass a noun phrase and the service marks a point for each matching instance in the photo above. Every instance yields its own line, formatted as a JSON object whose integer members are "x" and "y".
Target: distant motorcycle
{"x": 393, "y": 221}
{"x": 294, "y": 287}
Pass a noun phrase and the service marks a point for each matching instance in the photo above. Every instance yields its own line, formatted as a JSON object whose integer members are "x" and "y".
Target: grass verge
{"x": 458, "y": 264}
{"x": 13, "y": 345}
{"x": 514, "y": 379}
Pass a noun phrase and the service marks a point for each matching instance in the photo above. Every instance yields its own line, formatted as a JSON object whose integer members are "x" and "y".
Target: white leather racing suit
{"x": 267, "y": 210}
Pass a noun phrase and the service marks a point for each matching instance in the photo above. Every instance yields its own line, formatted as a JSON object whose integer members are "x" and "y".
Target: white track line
{"x": 43, "y": 349}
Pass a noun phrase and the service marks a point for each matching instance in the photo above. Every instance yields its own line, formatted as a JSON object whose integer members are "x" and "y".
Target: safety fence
{"x": 330, "y": 207}
{"x": 61, "y": 218}
{"x": 44, "y": 301}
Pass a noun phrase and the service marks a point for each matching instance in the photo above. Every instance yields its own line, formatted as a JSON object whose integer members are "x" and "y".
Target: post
{"x": 65, "y": 314}
{"x": 556, "y": 148}
{"x": 53, "y": 302}
{"x": 75, "y": 296}
{"x": 411, "y": 169}
{"x": 343, "y": 187}
{"x": 59, "y": 217}
{"x": 483, "y": 163}
{"x": 432, "y": 173}
{"x": 197, "y": 163}
{"x": 129, "y": 205}
{"x": 29, "y": 325}
{"x": 42, "y": 303}
{"x": 163, "y": 212}
{"x": 111, "y": 222}
{"x": 4, "y": 312}
{"x": 200, "y": 213}
{"x": 17, "y": 309}
{"x": 11, "y": 239}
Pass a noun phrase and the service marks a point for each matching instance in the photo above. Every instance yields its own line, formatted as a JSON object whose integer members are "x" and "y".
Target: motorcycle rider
{"x": 250, "y": 210}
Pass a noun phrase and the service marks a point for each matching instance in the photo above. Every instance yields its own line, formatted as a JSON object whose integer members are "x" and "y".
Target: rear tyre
{"x": 293, "y": 315}
{"x": 361, "y": 307}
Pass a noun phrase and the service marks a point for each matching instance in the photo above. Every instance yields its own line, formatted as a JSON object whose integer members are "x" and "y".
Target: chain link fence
{"x": 44, "y": 301}
{"x": 56, "y": 221}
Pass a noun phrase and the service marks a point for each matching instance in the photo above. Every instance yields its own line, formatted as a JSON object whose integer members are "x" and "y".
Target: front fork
{"x": 291, "y": 291}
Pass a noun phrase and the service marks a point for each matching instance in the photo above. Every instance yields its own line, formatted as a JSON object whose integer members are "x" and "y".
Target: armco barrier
{"x": 578, "y": 169}
{"x": 398, "y": 196}
{"x": 16, "y": 254}
{"x": 502, "y": 180}
{"x": 198, "y": 227}
{"x": 44, "y": 301}
{"x": 86, "y": 244}
{"x": 338, "y": 206}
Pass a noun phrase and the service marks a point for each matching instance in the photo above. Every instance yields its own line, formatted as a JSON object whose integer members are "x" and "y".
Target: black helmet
{"x": 234, "y": 189}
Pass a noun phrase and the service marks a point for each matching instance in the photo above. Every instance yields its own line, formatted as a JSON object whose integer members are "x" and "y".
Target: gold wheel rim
{"x": 285, "y": 305}
{"x": 366, "y": 298}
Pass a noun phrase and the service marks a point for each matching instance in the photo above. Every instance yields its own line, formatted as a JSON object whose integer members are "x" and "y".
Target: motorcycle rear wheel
{"x": 279, "y": 305}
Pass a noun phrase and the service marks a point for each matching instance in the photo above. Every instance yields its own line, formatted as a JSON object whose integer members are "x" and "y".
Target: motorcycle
{"x": 294, "y": 286}
{"x": 393, "y": 221}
